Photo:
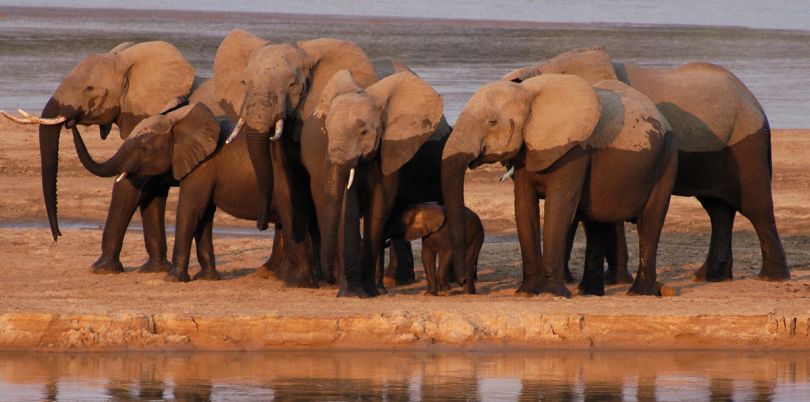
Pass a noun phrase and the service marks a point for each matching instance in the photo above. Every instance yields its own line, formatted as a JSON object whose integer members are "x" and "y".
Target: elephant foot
{"x": 556, "y": 288}
{"x": 593, "y": 288}
{"x": 443, "y": 292}
{"x": 431, "y": 293}
{"x": 381, "y": 290}
{"x": 774, "y": 275}
{"x": 107, "y": 266}
{"x": 639, "y": 289}
{"x": 355, "y": 291}
{"x": 615, "y": 278}
{"x": 469, "y": 288}
{"x": 152, "y": 266}
{"x": 177, "y": 276}
{"x": 569, "y": 277}
{"x": 527, "y": 289}
{"x": 207, "y": 275}
{"x": 703, "y": 274}
{"x": 264, "y": 272}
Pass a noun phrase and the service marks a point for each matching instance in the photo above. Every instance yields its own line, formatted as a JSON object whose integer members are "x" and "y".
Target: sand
{"x": 49, "y": 299}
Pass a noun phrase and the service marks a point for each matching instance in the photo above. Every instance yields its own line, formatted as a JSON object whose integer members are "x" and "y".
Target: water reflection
{"x": 407, "y": 376}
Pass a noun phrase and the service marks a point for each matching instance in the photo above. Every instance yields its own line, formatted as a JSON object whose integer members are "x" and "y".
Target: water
{"x": 37, "y": 47}
{"x": 407, "y": 376}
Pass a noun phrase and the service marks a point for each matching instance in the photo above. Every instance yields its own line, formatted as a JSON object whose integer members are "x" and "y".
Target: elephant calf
{"x": 189, "y": 144}
{"x": 426, "y": 221}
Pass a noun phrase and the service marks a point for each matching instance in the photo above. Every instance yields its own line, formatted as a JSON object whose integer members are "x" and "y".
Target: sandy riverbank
{"x": 51, "y": 301}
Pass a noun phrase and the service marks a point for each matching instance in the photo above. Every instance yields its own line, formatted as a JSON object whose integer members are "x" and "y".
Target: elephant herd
{"x": 345, "y": 155}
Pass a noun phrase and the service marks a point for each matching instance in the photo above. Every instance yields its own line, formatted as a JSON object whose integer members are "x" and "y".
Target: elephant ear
{"x": 564, "y": 113}
{"x": 121, "y": 47}
{"x": 229, "y": 65}
{"x": 412, "y": 111}
{"x": 195, "y": 134}
{"x": 340, "y": 83}
{"x": 521, "y": 74}
{"x": 422, "y": 220}
{"x": 154, "y": 74}
{"x": 325, "y": 57}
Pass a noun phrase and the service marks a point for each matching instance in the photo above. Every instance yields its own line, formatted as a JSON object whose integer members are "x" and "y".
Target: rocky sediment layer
{"x": 398, "y": 329}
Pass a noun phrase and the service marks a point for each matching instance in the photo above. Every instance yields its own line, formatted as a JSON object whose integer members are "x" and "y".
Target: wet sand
{"x": 51, "y": 301}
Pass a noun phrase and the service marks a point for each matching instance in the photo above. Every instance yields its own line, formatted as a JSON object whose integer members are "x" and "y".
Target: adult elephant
{"x": 600, "y": 154}
{"x": 724, "y": 141}
{"x": 362, "y": 139}
{"x": 120, "y": 87}
{"x": 270, "y": 89}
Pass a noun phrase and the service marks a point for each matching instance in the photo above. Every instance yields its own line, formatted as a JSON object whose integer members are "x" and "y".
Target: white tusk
{"x": 508, "y": 174}
{"x": 17, "y": 119}
{"x": 236, "y": 130}
{"x": 279, "y": 130}
{"x": 351, "y": 179}
{"x": 120, "y": 177}
{"x": 40, "y": 120}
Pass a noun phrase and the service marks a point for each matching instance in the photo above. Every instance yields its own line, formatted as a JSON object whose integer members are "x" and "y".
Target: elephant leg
{"x": 400, "y": 264}
{"x": 774, "y": 263}
{"x": 445, "y": 261}
{"x": 649, "y": 226}
{"x": 192, "y": 207}
{"x": 572, "y": 233}
{"x": 292, "y": 205}
{"x": 380, "y": 205}
{"x": 125, "y": 198}
{"x": 276, "y": 256}
{"x": 564, "y": 187}
{"x": 616, "y": 253}
{"x": 593, "y": 275}
{"x": 429, "y": 263}
{"x": 527, "y": 217}
{"x": 204, "y": 239}
{"x": 719, "y": 260}
{"x": 153, "y": 217}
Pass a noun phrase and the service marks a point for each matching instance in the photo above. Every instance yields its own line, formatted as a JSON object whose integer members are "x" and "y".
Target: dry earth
{"x": 49, "y": 300}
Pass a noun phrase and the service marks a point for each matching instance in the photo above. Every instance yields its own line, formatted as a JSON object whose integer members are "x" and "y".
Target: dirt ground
{"x": 40, "y": 276}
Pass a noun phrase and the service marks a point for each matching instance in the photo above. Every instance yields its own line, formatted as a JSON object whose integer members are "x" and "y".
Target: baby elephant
{"x": 426, "y": 221}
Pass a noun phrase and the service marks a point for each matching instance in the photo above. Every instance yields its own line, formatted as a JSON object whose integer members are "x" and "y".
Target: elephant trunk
{"x": 111, "y": 167}
{"x": 258, "y": 145}
{"x": 337, "y": 177}
{"x": 459, "y": 151}
{"x": 49, "y": 157}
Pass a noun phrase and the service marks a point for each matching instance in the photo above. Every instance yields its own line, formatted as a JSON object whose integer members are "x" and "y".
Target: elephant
{"x": 188, "y": 144}
{"x": 264, "y": 87}
{"x": 357, "y": 149}
{"x": 426, "y": 221}
{"x": 121, "y": 87}
{"x": 601, "y": 154}
{"x": 724, "y": 142}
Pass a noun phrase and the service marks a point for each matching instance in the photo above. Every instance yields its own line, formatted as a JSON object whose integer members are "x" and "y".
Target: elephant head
{"x": 536, "y": 122}
{"x": 176, "y": 142}
{"x": 127, "y": 84}
{"x": 388, "y": 120}
{"x": 592, "y": 64}
{"x": 416, "y": 222}
{"x": 266, "y": 87}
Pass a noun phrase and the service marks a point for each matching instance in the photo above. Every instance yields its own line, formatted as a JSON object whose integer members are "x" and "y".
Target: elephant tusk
{"x": 120, "y": 177}
{"x": 44, "y": 121}
{"x": 351, "y": 179}
{"x": 508, "y": 174}
{"x": 279, "y": 130}
{"x": 236, "y": 130}
{"x": 17, "y": 119}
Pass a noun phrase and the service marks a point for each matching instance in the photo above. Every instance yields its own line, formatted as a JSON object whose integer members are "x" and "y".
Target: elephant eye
{"x": 89, "y": 88}
{"x": 243, "y": 82}
{"x": 364, "y": 132}
{"x": 493, "y": 122}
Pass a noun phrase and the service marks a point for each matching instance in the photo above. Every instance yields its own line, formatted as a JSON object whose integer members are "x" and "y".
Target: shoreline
{"x": 400, "y": 330}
